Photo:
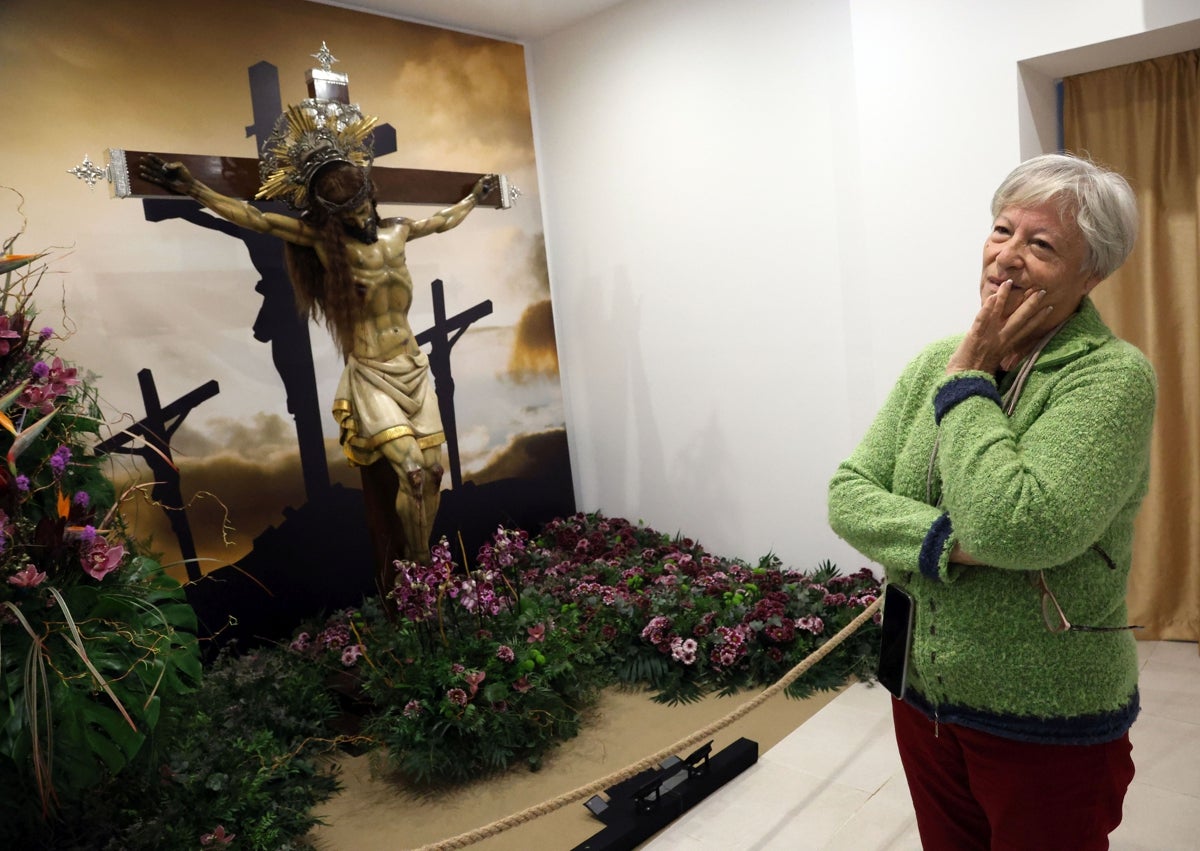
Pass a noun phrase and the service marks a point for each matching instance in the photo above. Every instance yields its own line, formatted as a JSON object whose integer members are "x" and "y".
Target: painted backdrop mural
{"x": 171, "y": 308}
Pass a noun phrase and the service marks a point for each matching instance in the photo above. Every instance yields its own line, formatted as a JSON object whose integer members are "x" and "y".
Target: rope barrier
{"x": 528, "y": 814}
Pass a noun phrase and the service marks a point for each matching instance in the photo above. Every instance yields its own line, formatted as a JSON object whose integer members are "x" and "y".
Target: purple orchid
{"x": 99, "y": 559}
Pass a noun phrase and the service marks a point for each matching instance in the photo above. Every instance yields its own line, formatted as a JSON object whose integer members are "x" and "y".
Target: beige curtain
{"x": 1144, "y": 121}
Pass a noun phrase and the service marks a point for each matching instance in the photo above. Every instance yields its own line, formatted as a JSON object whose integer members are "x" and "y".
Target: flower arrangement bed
{"x": 466, "y": 672}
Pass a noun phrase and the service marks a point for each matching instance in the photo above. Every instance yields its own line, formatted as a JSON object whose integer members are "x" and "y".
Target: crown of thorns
{"x": 307, "y": 137}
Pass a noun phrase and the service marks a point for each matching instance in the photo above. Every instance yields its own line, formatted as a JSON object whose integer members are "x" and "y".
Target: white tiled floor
{"x": 836, "y": 783}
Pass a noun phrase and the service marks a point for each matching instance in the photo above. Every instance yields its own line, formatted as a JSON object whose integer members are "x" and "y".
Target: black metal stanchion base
{"x": 637, "y": 808}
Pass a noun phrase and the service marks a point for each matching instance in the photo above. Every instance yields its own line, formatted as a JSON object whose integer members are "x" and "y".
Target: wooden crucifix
{"x": 222, "y": 184}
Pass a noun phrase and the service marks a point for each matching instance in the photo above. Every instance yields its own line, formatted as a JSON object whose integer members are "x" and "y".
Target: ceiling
{"x": 514, "y": 20}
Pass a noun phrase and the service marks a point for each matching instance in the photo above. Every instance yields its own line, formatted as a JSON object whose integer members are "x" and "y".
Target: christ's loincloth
{"x": 380, "y": 401}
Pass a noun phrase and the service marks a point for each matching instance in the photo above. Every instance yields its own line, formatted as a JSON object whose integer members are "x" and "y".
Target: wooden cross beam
{"x": 238, "y": 177}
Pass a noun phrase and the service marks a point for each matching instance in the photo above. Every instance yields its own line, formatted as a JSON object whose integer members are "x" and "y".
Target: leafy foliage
{"x": 246, "y": 757}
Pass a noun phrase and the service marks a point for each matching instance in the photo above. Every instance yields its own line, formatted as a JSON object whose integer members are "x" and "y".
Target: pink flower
{"x": 61, "y": 377}
{"x": 505, "y": 653}
{"x": 99, "y": 559}
{"x": 684, "y": 650}
{"x": 218, "y": 836}
{"x": 732, "y": 646}
{"x": 440, "y": 554}
{"x": 811, "y": 624}
{"x": 473, "y": 680}
{"x": 335, "y": 636}
{"x": 536, "y": 633}
{"x": 36, "y": 398}
{"x": 29, "y": 577}
{"x": 457, "y": 696}
{"x": 301, "y": 642}
{"x": 350, "y": 654}
{"x": 7, "y": 333}
{"x": 657, "y": 631}
{"x": 522, "y": 685}
{"x": 467, "y": 594}
{"x": 783, "y": 633}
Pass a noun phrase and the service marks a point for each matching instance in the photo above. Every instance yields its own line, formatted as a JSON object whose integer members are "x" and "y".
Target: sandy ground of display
{"x": 372, "y": 813}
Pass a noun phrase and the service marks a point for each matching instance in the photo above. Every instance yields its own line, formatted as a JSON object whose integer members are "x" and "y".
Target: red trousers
{"x": 973, "y": 790}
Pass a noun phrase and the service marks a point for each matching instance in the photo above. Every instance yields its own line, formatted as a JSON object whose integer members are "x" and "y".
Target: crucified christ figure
{"x": 349, "y": 267}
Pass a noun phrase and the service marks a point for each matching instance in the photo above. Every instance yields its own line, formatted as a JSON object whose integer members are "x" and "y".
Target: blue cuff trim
{"x": 932, "y": 546}
{"x": 958, "y": 389}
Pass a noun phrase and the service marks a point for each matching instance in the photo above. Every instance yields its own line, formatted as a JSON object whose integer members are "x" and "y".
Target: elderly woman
{"x": 998, "y": 488}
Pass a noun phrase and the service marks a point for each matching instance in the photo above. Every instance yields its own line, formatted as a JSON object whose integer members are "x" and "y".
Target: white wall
{"x": 755, "y": 214}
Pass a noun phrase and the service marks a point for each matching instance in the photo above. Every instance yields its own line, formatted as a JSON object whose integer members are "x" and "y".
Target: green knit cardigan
{"x": 1054, "y": 487}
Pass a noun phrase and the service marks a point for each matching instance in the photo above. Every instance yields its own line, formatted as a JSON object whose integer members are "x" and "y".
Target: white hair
{"x": 1101, "y": 202}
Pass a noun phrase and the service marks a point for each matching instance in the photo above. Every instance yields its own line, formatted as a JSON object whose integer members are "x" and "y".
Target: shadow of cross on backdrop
{"x": 153, "y": 445}
{"x": 440, "y": 343}
{"x": 278, "y": 322}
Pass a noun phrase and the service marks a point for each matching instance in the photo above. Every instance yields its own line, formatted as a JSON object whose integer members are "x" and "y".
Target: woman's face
{"x": 1036, "y": 250}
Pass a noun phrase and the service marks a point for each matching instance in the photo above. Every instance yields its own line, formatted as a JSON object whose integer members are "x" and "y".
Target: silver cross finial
{"x": 324, "y": 57}
{"x": 88, "y": 172}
